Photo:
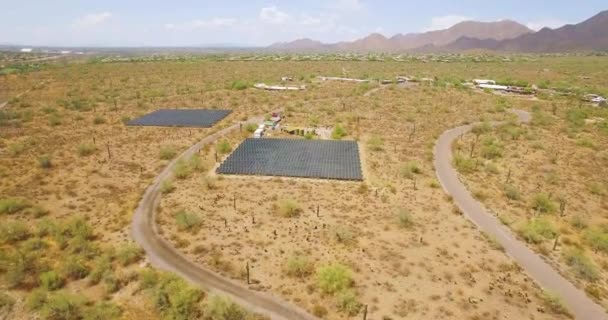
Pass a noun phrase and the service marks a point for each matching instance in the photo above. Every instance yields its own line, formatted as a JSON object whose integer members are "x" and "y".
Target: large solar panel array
{"x": 295, "y": 158}
{"x": 181, "y": 118}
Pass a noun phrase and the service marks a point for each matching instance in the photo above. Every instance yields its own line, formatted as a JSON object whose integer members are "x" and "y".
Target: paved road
{"x": 164, "y": 256}
{"x": 578, "y": 302}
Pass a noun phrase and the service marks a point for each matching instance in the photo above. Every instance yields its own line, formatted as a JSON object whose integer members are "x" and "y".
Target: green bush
{"x": 338, "y": 132}
{"x": 536, "y": 230}
{"x": 129, "y": 254}
{"x": 298, "y": 266}
{"x": 86, "y": 149}
{"x": 492, "y": 148}
{"x": 576, "y": 117}
{"x": 50, "y": 280}
{"x": 334, "y": 278}
{"x": 464, "y": 164}
{"x": 579, "y": 223}
{"x": 481, "y": 128}
{"x": 12, "y": 205}
{"x": 75, "y": 268}
{"x": 541, "y": 118}
{"x": 347, "y": 302}
{"x": 223, "y": 147}
{"x": 375, "y": 143}
{"x": 6, "y": 304}
{"x": 512, "y": 192}
{"x": 45, "y": 161}
{"x": 14, "y": 231}
{"x": 196, "y": 163}
{"x": 187, "y": 221}
{"x": 555, "y": 304}
{"x": 175, "y": 299}
{"x": 63, "y": 306}
{"x": 55, "y": 120}
{"x": 239, "y": 85}
{"x": 405, "y": 218}
{"x": 103, "y": 311}
{"x": 167, "y": 186}
{"x": 542, "y": 203}
{"x": 597, "y": 239}
{"x": 581, "y": 265}
{"x": 410, "y": 169}
{"x": 220, "y": 308}
{"x": 99, "y": 120}
{"x": 36, "y": 299}
{"x": 287, "y": 208}
{"x": 251, "y": 127}
{"x": 182, "y": 169}
{"x": 167, "y": 152}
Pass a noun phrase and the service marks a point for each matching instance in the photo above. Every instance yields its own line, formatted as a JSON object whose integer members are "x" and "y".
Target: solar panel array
{"x": 295, "y": 158}
{"x": 181, "y": 118}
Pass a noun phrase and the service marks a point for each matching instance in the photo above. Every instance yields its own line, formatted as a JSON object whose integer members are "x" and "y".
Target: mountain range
{"x": 502, "y": 36}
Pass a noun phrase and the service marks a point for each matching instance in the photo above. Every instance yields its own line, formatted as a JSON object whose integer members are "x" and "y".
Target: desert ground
{"x": 72, "y": 173}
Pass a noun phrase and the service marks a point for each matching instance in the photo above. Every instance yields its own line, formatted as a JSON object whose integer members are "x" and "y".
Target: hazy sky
{"x": 259, "y": 22}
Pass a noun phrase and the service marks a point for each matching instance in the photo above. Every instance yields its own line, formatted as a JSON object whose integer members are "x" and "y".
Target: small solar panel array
{"x": 295, "y": 158}
{"x": 201, "y": 118}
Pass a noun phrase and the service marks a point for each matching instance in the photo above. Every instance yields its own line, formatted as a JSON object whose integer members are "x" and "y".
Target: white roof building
{"x": 483, "y": 81}
{"x": 493, "y": 87}
{"x": 26, "y": 50}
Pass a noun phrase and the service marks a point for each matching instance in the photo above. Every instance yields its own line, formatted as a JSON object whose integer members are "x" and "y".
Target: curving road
{"x": 162, "y": 254}
{"x": 581, "y": 306}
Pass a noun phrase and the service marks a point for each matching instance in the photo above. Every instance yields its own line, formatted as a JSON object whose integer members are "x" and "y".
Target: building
{"x": 493, "y": 87}
{"x": 27, "y": 50}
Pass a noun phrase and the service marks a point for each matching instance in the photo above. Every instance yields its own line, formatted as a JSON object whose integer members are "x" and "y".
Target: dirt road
{"x": 162, "y": 255}
{"x": 577, "y": 301}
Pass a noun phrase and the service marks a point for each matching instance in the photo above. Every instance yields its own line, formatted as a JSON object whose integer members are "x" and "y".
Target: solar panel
{"x": 181, "y": 118}
{"x": 321, "y": 159}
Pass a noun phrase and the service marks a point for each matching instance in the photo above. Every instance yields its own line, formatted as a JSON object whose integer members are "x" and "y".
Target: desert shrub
{"x": 111, "y": 282}
{"x": 464, "y": 164}
{"x": 587, "y": 143}
{"x": 334, "y": 278}
{"x": 576, "y": 117}
{"x": 410, "y": 169}
{"x": 6, "y": 304}
{"x": 251, "y": 127}
{"x": 579, "y": 223}
{"x": 491, "y": 168}
{"x": 223, "y": 147}
{"x": 175, "y": 299}
{"x": 12, "y": 205}
{"x": 86, "y": 149}
{"x": 45, "y": 161}
{"x": 299, "y": 266}
{"x": 481, "y": 128}
{"x": 36, "y": 299}
{"x": 338, "y": 132}
{"x": 542, "y": 203}
{"x": 187, "y": 221}
{"x": 319, "y": 311}
{"x": 492, "y": 148}
{"x": 55, "y": 120}
{"x": 220, "y": 308}
{"x": 103, "y": 311}
{"x": 167, "y": 152}
{"x": 129, "y": 254}
{"x": 597, "y": 239}
{"x": 125, "y": 119}
{"x": 167, "y": 186}
{"x": 13, "y": 231}
{"x": 541, "y": 118}
{"x": 101, "y": 266}
{"x": 555, "y": 304}
{"x": 287, "y": 208}
{"x": 405, "y": 218}
{"x": 347, "y": 302}
{"x": 196, "y": 163}
{"x": 50, "y": 280}
{"x": 239, "y": 85}
{"x": 375, "y": 143}
{"x": 182, "y": 169}
{"x": 63, "y": 306}
{"x": 536, "y": 230}
{"x": 75, "y": 268}
{"x": 342, "y": 234}
{"x": 581, "y": 265}
{"x": 512, "y": 192}
{"x": 594, "y": 291}
{"x": 99, "y": 120}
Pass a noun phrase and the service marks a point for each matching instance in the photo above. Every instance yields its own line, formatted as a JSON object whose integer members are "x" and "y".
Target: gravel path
{"x": 162, "y": 254}
{"x": 577, "y": 301}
